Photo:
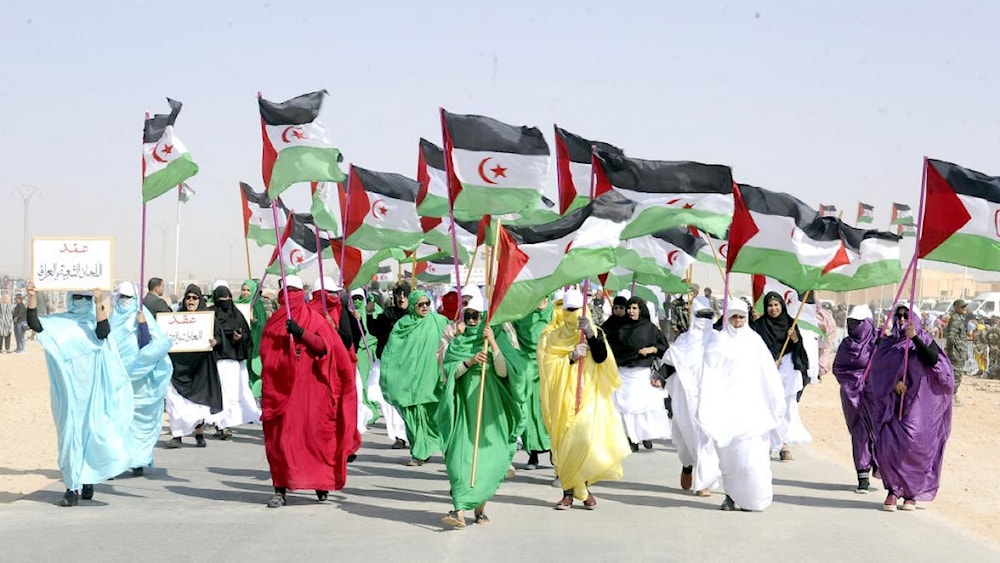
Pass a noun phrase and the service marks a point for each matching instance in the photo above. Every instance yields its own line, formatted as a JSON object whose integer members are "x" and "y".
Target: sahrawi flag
{"x": 668, "y": 194}
{"x": 715, "y": 251}
{"x": 381, "y": 211}
{"x": 762, "y": 285}
{"x": 827, "y": 210}
{"x": 298, "y": 247}
{"x": 437, "y": 239}
{"x": 962, "y": 225}
{"x": 574, "y": 157}
{"x": 258, "y": 219}
{"x": 874, "y": 261}
{"x": 777, "y": 235}
{"x": 166, "y": 162}
{"x": 435, "y": 272}
{"x": 495, "y": 168}
{"x": 535, "y": 260}
{"x": 660, "y": 259}
{"x": 906, "y": 230}
{"x": 901, "y": 214}
{"x": 866, "y": 213}
{"x": 327, "y": 201}
{"x": 184, "y": 193}
{"x": 296, "y": 146}
{"x": 432, "y": 200}
{"x": 360, "y": 266}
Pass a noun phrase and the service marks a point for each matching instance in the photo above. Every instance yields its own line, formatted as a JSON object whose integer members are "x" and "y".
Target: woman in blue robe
{"x": 143, "y": 348}
{"x": 91, "y": 392}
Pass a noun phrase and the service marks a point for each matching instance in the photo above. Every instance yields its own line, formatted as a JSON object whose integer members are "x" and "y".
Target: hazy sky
{"x": 830, "y": 101}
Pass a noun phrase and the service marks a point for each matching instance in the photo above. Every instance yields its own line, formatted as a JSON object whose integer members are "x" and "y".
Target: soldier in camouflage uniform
{"x": 956, "y": 342}
{"x": 992, "y": 334}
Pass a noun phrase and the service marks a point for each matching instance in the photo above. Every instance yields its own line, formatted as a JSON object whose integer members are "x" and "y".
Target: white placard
{"x": 189, "y": 332}
{"x": 247, "y": 311}
{"x": 66, "y": 264}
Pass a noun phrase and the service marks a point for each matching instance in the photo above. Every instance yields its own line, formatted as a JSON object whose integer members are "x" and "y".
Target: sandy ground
{"x": 969, "y": 492}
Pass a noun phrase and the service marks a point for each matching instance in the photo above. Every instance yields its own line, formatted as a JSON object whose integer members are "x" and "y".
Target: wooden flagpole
{"x": 915, "y": 264}
{"x": 491, "y": 275}
{"x": 795, "y": 322}
{"x": 586, "y": 288}
{"x": 281, "y": 256}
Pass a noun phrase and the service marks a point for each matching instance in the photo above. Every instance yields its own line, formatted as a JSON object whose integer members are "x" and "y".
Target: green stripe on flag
{"x": 304, "y": 164}
{"x": 433, "y": 206}
{"x": 778, "y": 264}
{"x": 367, "y": 236}
{"x": 883, "y": 272}
{"x": 162, "y": 181}
{"x": 973, "y": 251}
{"x": 652, "y": 220}
{"x": 475, "y": 201}
{"x": 261, "y": 235}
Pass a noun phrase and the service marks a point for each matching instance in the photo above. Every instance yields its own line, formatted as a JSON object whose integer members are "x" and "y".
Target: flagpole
{"x": 490, "y": 287}
{"x": 468, "y": 273}
{"x": 413, "y": 272}
{"x": 718, "y": 263}
{"x": 343, "y": 224}
{"x": 795, "y": 322}
{"x": 177, "y": 244}
{"x": 446, "y": 138}
{"x": 142, "y": 251}
{"x": 916, "y": 271}
{"x": 246, "y": 247}
{"x": 277, "y": 236}
{"x": 586, "y": 288}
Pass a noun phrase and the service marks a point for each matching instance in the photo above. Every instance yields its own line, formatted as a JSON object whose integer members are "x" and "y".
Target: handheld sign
{"x": 189, "y": 332}
{"x": 69, "y": 264}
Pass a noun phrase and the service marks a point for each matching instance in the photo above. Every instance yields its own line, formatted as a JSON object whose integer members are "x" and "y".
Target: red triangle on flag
{"x": 949, "y": 215}
{"x": 564, "y": 175}
{"x": 510, "y": 262}
{"x": 839, "y": 259}
{"x": 743, "y": 228}
{"x": 602, "y": 184}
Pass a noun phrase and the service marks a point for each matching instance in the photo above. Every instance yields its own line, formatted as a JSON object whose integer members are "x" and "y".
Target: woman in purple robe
{"x": 911, "y": 416}
{"x": 849, "y": 366}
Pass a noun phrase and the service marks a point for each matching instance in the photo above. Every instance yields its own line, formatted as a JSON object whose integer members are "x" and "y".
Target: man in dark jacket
{"x": 154, "y": 297}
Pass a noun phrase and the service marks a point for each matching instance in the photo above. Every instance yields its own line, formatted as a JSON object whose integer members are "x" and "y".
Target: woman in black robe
{"x": 775, "y": 327}
{"x": 636, "y": 343}
{"x": 232, "y": 350}
{"x": 195, "y": 392}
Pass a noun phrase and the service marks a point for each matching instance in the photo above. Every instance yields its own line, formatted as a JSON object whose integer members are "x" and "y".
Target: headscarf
{"x": 228, "y": 320}
{"x": 450, "y": 304}
{"x": 774, "y": 332}
{"x": 635, "y": 334}
{"x": 409, "y": 361}
{"x": 613, "y": 323}
{"x": 193, "y": 290}
{"x": 256, "y": 332}
{"x": 855, "y": 351}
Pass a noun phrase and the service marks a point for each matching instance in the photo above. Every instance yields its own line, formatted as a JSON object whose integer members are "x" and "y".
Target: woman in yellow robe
{"x": 589, "y": 444}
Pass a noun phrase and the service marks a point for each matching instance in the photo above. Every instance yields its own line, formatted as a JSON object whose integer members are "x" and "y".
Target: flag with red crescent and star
{"x": 574, "y": 156}
{"x": 166, "y": 162}
{"x": 298, "y": 248}
{"x": 493, "y": 168}
{"x": 296, "y": 146}
{"x": 258, "y": 218}
{"x": 382, "y": 211}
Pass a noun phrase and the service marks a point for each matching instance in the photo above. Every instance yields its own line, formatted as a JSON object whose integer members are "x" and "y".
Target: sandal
{"x": 453, "y": 520}
{"x": 481, "y": 518}
{"x": 785, "y": 455}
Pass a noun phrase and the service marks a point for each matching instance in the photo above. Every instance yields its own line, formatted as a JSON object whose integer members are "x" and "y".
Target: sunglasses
{"x": 191, "y": 297}
{"x": 424, "y": 304}
{"x": 572, "y": 309}
{"x": 737, "y": 317}
{"x": 83, "y": 298}
{"x": 124, "y": 297}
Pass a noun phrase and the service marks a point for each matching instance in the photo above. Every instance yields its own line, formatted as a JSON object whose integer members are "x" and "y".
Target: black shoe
{"x": 351, "y": 458}
{"x": 728, "y": 505}
{"x": 863, "y": 486}
{"x": 174, "y": 443}
{"x": 199, "y": 440}
{"x": 635, "y": 447}
{"x": 648, "y": 444}
{"x": 532, "y": 461}
{"x": 399, "y": 444}
{"x": 137, "y": 471}
{"x": 87, "y": 493}
{"x": 70, "y": 498}
{"x": 321, "y": 496}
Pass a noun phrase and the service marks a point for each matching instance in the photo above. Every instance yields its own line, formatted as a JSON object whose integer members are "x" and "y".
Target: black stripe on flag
{"x": 610, "y": 206}
{"x": 388, "y": 184}
{"x": 303, "y": 232}
{"x": 433, "y": 155}
{"x": 296, "y": 111}
{"x": 682, "y": 238}
{"x": 579, "y": 148}
{"x": 853, "y": 236}
{"x": 806, "y": 218}
{"x": 480, "y": 133}
{"x": 260, "y": 199}
{"x": 968, "y": 182}
{"x": 660, "y": 176}
{"x": 155, "y": 126}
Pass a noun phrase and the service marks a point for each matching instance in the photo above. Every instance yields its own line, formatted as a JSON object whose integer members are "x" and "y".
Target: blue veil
{"x": 91, "y": 395}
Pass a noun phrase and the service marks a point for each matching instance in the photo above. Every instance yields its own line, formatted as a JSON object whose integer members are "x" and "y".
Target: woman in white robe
{"x": 742, "y": 404}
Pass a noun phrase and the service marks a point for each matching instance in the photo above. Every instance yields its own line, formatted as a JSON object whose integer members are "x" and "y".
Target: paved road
{"x": 208, "y": 505}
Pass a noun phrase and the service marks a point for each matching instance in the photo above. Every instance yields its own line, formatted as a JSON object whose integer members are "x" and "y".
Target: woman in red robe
{"x": 299, "y": 397}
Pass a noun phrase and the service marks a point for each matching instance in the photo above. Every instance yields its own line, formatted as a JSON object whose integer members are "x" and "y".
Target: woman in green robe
{"x": 410, "y": 378}
{"x": 529, "y": 331}
{"x": 247, "y": 293}
{"x": 502, "y": 419}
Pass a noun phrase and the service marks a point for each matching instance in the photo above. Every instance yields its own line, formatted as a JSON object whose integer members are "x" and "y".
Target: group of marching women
{"x": 325, "y": 365}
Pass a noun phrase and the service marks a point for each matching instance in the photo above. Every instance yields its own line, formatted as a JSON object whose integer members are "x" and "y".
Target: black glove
{"x": 293, "y": 328}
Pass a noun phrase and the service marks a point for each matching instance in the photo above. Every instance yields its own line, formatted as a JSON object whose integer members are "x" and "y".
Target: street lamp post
{"x": 26, "y": 192}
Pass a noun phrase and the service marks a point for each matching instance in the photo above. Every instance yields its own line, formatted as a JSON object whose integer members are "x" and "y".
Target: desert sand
{"x": 969, "y": 492}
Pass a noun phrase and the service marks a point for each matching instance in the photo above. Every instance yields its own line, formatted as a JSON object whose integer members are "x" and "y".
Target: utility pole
{"x": 26, "y": 192}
